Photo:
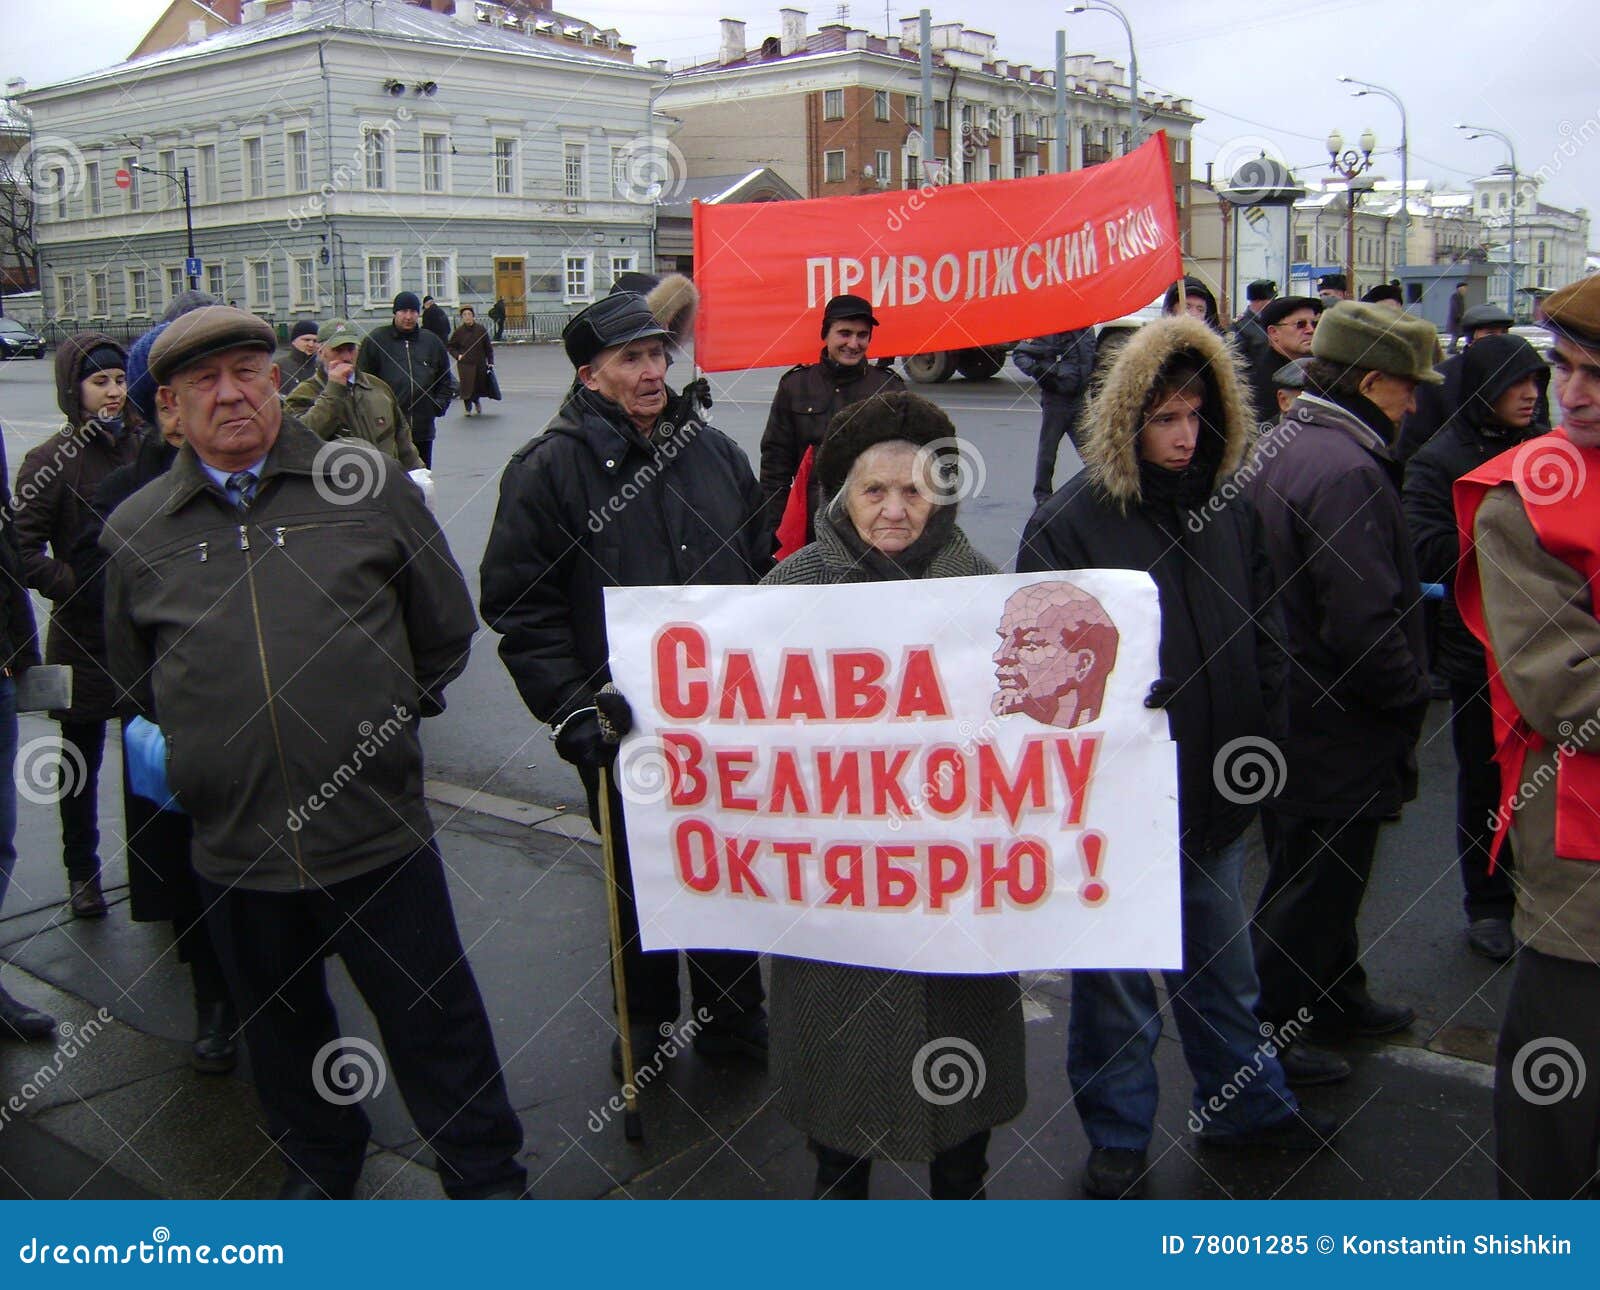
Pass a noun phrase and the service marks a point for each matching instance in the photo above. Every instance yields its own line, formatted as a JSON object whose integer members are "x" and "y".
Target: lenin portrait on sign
{"x": 1057, "y": 648}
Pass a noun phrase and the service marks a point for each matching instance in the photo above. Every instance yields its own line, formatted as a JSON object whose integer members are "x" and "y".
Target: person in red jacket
{"x": 1529, "y": 525}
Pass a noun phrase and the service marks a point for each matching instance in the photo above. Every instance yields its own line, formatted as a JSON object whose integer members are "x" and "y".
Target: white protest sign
{"x": 953, "y": 775}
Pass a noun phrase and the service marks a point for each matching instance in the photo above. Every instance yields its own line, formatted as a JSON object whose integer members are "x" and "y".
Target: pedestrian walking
{"x": 55, "y": 492}
{"x": 435, "y": 319}
{"x": 497, "y": 315}
{"x": 414, "y": 364}
{"x": 1501, "y": 381}
{"x": 1525, "y": 586}
{"x": 470, "y": 346}
{"x": 1167, "y": 429}
{"x": 287, "y": 631}
{"x": 1327, "y": 488}
{"x": 1061, "y": 364}
{"x": 626, "y": 486}
{"x": 849, "y": 1042}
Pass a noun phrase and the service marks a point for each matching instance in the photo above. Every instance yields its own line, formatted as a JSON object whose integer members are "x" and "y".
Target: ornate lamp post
{"x": 1349, "y": 165}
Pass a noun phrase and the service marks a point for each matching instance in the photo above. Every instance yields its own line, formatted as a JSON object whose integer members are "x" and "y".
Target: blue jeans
{"x": 8, "y": 783}
{"x": 1115, "y": 1022}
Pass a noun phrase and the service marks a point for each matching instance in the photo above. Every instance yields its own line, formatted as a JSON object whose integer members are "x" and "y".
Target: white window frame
{"x": 883, "y": 164}
{"x": 210, "y": 178}
{"x": 828, "y": 166}
{"x": 99, "y": 293}
{"x": 66, "y": 295}
{"x": 297, "y": 298}
{"x": 59, "y": 181}
{"x": 253, "y": 298}
{"x": 384, "y": 297}
{"x": 1180, "y": 151}
{"x": 136, "y": 273}
{"x": 448, "y": 293}
{"x": 833, "y": 105}
{"x": 623, "y": 262}
{"x": 174, "y": 286}
{"x": 91, "y": 186}
{"x": 914, "y": 111}
{"x": 619, "y": 171}
{"x": 442, "y": 157}
{"x": 586, "y": 260}
{"x": 217, "y": 280}
{"x": 375, "y": 146}
{"x": 132, "y": 200}
{"x": 881, "y": 111}
{"x": 569, "y": 148}
{"x": 171, "y": 198}
{"x": 247, "y": 176}
{"x": 511, "y": 186}
{"x": 291, "y": 153}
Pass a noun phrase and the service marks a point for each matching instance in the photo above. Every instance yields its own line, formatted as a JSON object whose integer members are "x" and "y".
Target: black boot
{"x": 215, "y": 1051}
{"x": 840, "y": 1176}
{"x": 19, "y": 1021}
{"x": 957, "y": 1174}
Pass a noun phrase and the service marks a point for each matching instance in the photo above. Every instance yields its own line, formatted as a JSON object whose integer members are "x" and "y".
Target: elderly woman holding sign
{"x": 865, "y": 1059}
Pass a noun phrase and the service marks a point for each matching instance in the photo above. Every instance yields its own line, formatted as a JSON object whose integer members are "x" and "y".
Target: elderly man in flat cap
{"x": 1287, "y": 324}
{"x": 286, "y": 610}
{"x": 625, "y": 487}
{"x": 1328, "y": 495}
{"x": 1530, "y": 538}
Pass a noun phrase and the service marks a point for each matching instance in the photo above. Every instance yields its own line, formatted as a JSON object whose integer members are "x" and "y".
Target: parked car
{"x": 16, "y": 339}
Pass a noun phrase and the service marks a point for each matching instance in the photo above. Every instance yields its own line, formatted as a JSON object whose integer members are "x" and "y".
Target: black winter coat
{"x": 1221, "y": 646}
{"x": 1437, "y": 405}
{"x": 591, "y": 503}
{"x": 416, "y": 366}
{"x": 19, "y": 635}
{"x": 1061, "y": 363}
{"x": 1469, "y": 438}
{"x": 1327, "y": 490}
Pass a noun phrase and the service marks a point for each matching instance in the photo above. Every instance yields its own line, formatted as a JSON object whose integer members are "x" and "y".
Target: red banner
{"x": 945, "y": 267}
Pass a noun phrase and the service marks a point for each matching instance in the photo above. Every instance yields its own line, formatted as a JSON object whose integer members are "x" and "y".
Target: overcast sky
{"x": 1263, "y": 73}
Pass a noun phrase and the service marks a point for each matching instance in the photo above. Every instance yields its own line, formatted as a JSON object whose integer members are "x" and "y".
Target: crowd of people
{"x": 214, "y": 589}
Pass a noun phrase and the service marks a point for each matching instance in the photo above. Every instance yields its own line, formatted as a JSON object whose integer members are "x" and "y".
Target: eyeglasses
{"x": 1299, "y": 324}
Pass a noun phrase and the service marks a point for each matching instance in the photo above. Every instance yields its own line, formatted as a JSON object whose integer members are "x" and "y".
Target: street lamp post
{"x": 1349, "y": 165}
{"x": 1367, "y": 87}
{"x": 1478, "y": 132}
{"x": 1133, "y": 60}
{"x": 182, "y": 180}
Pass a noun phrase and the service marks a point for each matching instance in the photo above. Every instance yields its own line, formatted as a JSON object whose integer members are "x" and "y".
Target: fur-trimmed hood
{"x": 1120, "y": 403}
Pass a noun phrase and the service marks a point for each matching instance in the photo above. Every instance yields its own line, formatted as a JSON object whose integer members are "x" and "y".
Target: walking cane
{"x": 632, "y": 1125}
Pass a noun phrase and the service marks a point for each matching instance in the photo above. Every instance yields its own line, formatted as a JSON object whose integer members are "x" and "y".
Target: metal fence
{"x": 531, "y": 327}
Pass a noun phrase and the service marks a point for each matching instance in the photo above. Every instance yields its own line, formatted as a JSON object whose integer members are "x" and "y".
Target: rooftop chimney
{"x": 794, "y": 30}
{"x": 255, "y": 11}
{"x": 733, "y": 46}
{"x": 467, "y": 12}
{"x": 891, "y": 46}
{"x": 197, "y": 30}
{"x": 855, "y": 40}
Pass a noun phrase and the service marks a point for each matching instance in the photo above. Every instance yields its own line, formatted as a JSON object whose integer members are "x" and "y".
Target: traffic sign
{"x": 191, "y": 267}
{"x": 124, "y": 179}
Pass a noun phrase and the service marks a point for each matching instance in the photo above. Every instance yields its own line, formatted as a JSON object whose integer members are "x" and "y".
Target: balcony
{"x": 1024, "y": 143}
{"x": 1095, "y": 153}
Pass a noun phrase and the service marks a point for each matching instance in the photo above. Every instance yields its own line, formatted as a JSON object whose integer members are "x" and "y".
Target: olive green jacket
{"x": 366, "y": 410}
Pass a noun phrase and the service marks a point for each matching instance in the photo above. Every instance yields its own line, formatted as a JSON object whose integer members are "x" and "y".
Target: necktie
{"x": 242, "y": 489}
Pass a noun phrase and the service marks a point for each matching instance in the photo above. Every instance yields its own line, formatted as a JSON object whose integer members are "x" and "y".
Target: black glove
{"x": 579, "y": 741}
{"x": 697, "y": 394}
{"x": 616, "y": 717}
{"x": 1161, "y": 692}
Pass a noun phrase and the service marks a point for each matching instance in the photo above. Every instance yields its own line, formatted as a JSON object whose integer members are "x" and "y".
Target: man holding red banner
{"x": 1530, "y": 561}
{"x": 807, "y": 398}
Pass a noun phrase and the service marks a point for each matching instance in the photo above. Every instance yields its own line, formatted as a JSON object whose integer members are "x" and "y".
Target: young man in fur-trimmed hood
{"x": 1162, "y": 440}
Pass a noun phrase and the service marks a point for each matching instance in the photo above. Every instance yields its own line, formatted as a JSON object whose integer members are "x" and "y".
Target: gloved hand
{"x": 579, "y": 741}
{"x": 616, "y": 717}
{"x": 1161, "y": 692}
{"x": 698, "y": 394}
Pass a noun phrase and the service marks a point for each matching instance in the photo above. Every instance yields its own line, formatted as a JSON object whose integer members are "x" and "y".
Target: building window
{"x": 172, "y": 193}
{"x": 575, "y": 278}
{"x": 255, "y": 169}
{"x": 66, "y": 296}
{"x": 966, "y": 118}
{"x": 621, "y": 264}
{"x": 913, "y": 172}
{"x": 377, "y": 157}
{"x": 913, "y": 110}
{"x": 91, "y": 186}
{"x": 833, "y": 167}
{"x": 138, "y": 293}
{"x": 299, "y": 161}
{"x": 1178, "y": 195}
{"x": 572, "y": 169}
{"x": 966, "y": 172}
{"x": 505, "y": 161}
{"x": 1541, "y": 281}
{"x": 216, "y": 281}
{"x": 990, "y": 122}
{"x": 1502, "y": 202}
{"x": 832, "y": 105}
{"x": 1329, "y": 251}
{"x": 1485, "y": 201}
{"x": 131, "y": 192}
{"x": 435, "y": 156}
{"x": 303, "y": 281}
{"x": 208, "y": 173}
{"x": 619, "y": 172}
{"x": 258, "y": 285}
{"x": 99, "y": 295}
{"x": 884, "y": 166}
{"x": 382, "y": 274}
{"x": 941, "y": 115}
{"x": 1541, "y": 252}
{"x": 58, "y": 181}
{"x": 1126, "y": 143}
{"x": 994, "y": 170}
{"x": 438, "y": 278}
{"x": 1302, "y": 247}
{"x": 177, "y": 284}
{"x": 880, "y": 105}
{"x": 1180, "y": 150}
